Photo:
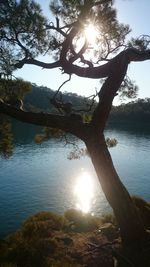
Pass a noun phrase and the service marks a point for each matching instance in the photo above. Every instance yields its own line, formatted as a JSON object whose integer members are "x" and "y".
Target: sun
{"x": 90, "y": 36}
{"x": 91, "y": 33}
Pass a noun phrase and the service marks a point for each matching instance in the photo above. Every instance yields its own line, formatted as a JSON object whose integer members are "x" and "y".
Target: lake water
{"x": 40, "y": 177}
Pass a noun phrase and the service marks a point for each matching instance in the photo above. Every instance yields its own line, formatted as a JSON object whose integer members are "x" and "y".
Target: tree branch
{"x": 78, "y": 54}
{"x": 26, "y": 51}
{"x": 108, "y": 92}
{"x": 134, "y": 54}
{"x": 57, "y": 28}
{"x": 65, "y": 123}
{"x": 36, "y": 62}
{"x": 130, "y": 54}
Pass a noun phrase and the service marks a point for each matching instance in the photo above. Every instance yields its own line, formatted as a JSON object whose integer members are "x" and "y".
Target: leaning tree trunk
{"x": 131, "y": 227}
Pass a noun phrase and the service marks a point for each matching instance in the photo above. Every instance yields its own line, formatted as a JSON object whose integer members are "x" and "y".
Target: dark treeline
{"x": 136, "y": 112}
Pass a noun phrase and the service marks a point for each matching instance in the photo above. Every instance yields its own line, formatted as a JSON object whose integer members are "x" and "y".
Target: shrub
{"x": 34, "y": 243}
{"x": 81, "y": 222}
{"x": 42, "y": 223}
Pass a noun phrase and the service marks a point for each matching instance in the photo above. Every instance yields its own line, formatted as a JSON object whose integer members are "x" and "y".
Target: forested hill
{"x": 133, "y": 112}
{"x": 39, "y": 99}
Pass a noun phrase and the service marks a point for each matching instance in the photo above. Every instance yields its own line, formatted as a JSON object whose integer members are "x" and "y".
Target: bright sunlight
{"x": 91, "y": 34}
{"x": 84, "y": 192}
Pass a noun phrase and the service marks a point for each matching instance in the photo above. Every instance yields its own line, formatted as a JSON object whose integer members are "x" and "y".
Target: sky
{"x": 132, "y": 12}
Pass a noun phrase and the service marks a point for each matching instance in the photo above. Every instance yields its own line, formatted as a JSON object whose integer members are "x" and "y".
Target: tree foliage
{"x": 13, "y": 89}
{"x": 26, "y": 35}
{"x": 11, "y": 92}
{"x": 6, "y": 137}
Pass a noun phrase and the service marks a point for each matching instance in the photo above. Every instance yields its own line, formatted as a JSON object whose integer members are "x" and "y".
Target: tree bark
{"x": 131, "y": 227}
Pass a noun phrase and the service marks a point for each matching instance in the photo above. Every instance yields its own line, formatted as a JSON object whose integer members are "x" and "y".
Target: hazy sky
{"x": 136, "y": 13}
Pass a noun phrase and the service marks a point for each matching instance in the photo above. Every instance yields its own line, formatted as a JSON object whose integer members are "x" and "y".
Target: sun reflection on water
{"x": 84, "y": 192}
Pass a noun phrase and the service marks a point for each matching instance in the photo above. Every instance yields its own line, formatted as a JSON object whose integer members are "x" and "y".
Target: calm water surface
{"x": 40, "y": 177}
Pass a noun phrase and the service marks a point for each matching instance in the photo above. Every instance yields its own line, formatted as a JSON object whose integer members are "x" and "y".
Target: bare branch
{"x": 59, "y": 104}
{"x": 80, "y": 54}
{"x": 89, "y": 105}
{"x": 36, "y": 62}
{"x": 56, "y": 28}
{"x": 63, "y": 85}
{"x": 68, "y": 142}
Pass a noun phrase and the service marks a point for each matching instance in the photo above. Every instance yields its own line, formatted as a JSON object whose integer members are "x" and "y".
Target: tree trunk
{"x": 131, "y": 227}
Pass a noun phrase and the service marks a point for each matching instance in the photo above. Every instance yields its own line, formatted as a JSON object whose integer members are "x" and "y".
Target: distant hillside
{"x": 134, "y": 112}
{"x": 38, "y": 99}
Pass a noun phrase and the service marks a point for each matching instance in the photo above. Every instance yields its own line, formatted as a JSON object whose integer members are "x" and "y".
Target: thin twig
{"x": 59, "y": 104}
{"x": 90, "y": 105}
{"x": 62, "y": 86}
{"x": 68, "y": 142}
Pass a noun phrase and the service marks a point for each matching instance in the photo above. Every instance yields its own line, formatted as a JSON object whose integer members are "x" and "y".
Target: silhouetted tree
{"x": 26, "y": 34}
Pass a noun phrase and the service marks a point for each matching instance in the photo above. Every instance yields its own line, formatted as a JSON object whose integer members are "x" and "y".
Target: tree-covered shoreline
{"x": 135, "y": 113}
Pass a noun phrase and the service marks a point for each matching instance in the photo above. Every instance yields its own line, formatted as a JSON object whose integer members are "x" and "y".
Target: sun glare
{"x": 84, "y": 192}
{"x": 91, "y": 34}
